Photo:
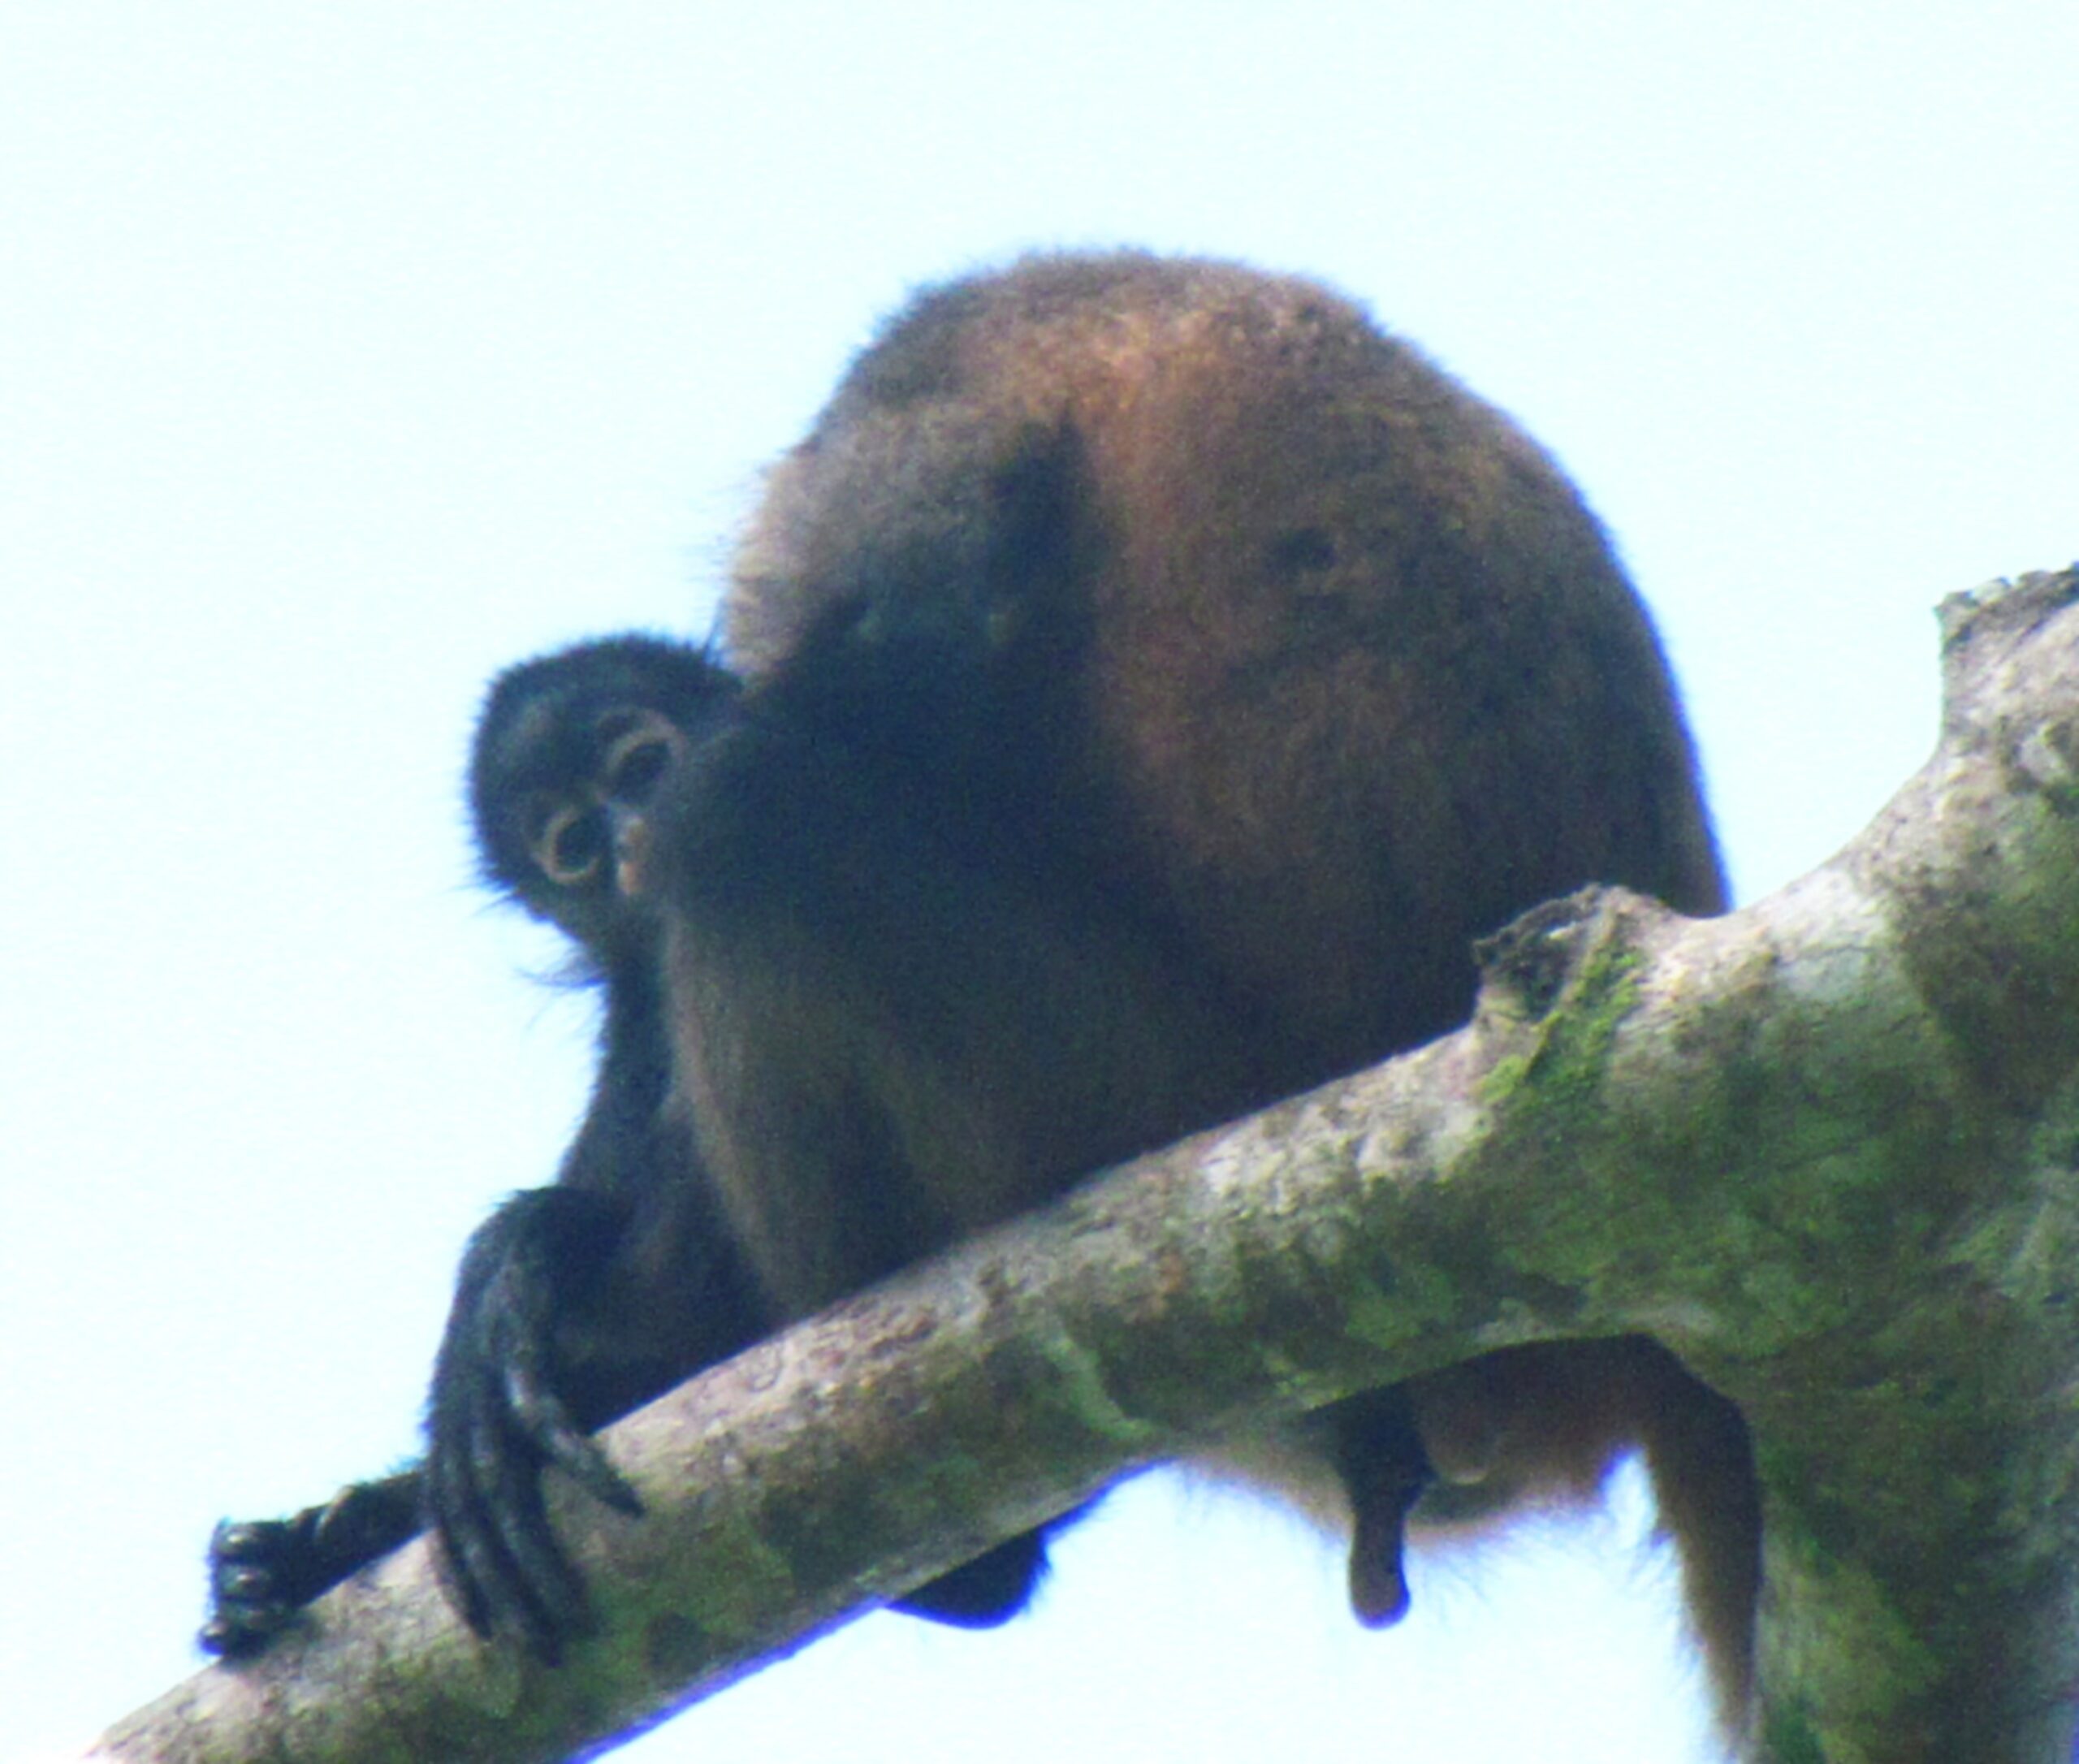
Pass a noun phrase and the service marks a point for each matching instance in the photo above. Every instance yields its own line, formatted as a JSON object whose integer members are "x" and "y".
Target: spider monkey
{"x": 578, "y": 1302}
{"x": 566, "y": 755}
{"x": 1150, "y": 680}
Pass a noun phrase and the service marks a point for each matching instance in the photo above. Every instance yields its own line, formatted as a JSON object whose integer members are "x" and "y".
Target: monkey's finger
{"x": 259, "y": 1578}
{"x": 536, "y": 1409}
{"x": 540, "y": 1415}
{"x": 246, "y": 1539}
{"x": 247, "y": 1610}
{"x": 448, "y": 1506}
{"x": 524, "y": 1580}
{"x": 534, "y": 1588}
{"x": 481, "y": 1581}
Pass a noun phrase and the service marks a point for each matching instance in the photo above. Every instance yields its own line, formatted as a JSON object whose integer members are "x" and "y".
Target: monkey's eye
{"x": 636, "y": 766}
{"x": 571, "y": 844}
{"x": 640, "y": 745}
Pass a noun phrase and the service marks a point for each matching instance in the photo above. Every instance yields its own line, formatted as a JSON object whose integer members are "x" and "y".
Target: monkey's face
{"x": 575, "y": 834}
{"x": 571, "y": 754}
{"x": 589, "y": 839}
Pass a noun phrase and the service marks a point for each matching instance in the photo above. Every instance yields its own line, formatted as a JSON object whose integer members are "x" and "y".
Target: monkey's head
{"x": 570, "y": 751}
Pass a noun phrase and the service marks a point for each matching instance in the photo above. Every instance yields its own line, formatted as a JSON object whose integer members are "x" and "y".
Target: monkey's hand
{"x": 262, "y": 1572}
{"x": 497, "y": 1421}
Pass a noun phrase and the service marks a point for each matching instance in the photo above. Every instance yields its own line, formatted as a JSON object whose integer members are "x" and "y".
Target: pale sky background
{"x": 349, "y": 352}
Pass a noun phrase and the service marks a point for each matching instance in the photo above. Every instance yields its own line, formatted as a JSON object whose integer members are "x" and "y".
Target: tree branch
{"x": 1824, "y": 1148}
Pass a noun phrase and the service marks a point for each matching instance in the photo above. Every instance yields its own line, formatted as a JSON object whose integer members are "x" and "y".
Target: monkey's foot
{"x": 262, "y": 1572}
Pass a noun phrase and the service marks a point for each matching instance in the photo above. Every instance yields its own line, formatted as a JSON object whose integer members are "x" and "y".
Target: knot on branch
{"x": 1988, "y": 633}
{"x": 1530, "y": 964}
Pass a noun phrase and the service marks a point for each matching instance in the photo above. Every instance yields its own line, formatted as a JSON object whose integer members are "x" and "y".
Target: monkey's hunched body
{"x": 1153, "y": 679}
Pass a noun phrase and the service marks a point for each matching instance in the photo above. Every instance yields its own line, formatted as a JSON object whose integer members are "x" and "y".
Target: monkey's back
{"x": 1354, "y": 676}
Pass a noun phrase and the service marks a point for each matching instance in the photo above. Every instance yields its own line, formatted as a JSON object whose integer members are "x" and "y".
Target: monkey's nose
{"x": 633, "y": 849}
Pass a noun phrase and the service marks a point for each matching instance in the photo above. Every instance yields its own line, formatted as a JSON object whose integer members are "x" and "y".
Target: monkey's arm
{"x": 548, "y": 1260}
{"x": 499, "y": 1414}
{"x": 575, "y": 1304}
{"x": 498, "y": 1420}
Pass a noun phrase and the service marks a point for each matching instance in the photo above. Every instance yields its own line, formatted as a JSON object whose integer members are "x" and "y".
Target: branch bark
{"x": 1823, "y": 1148}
